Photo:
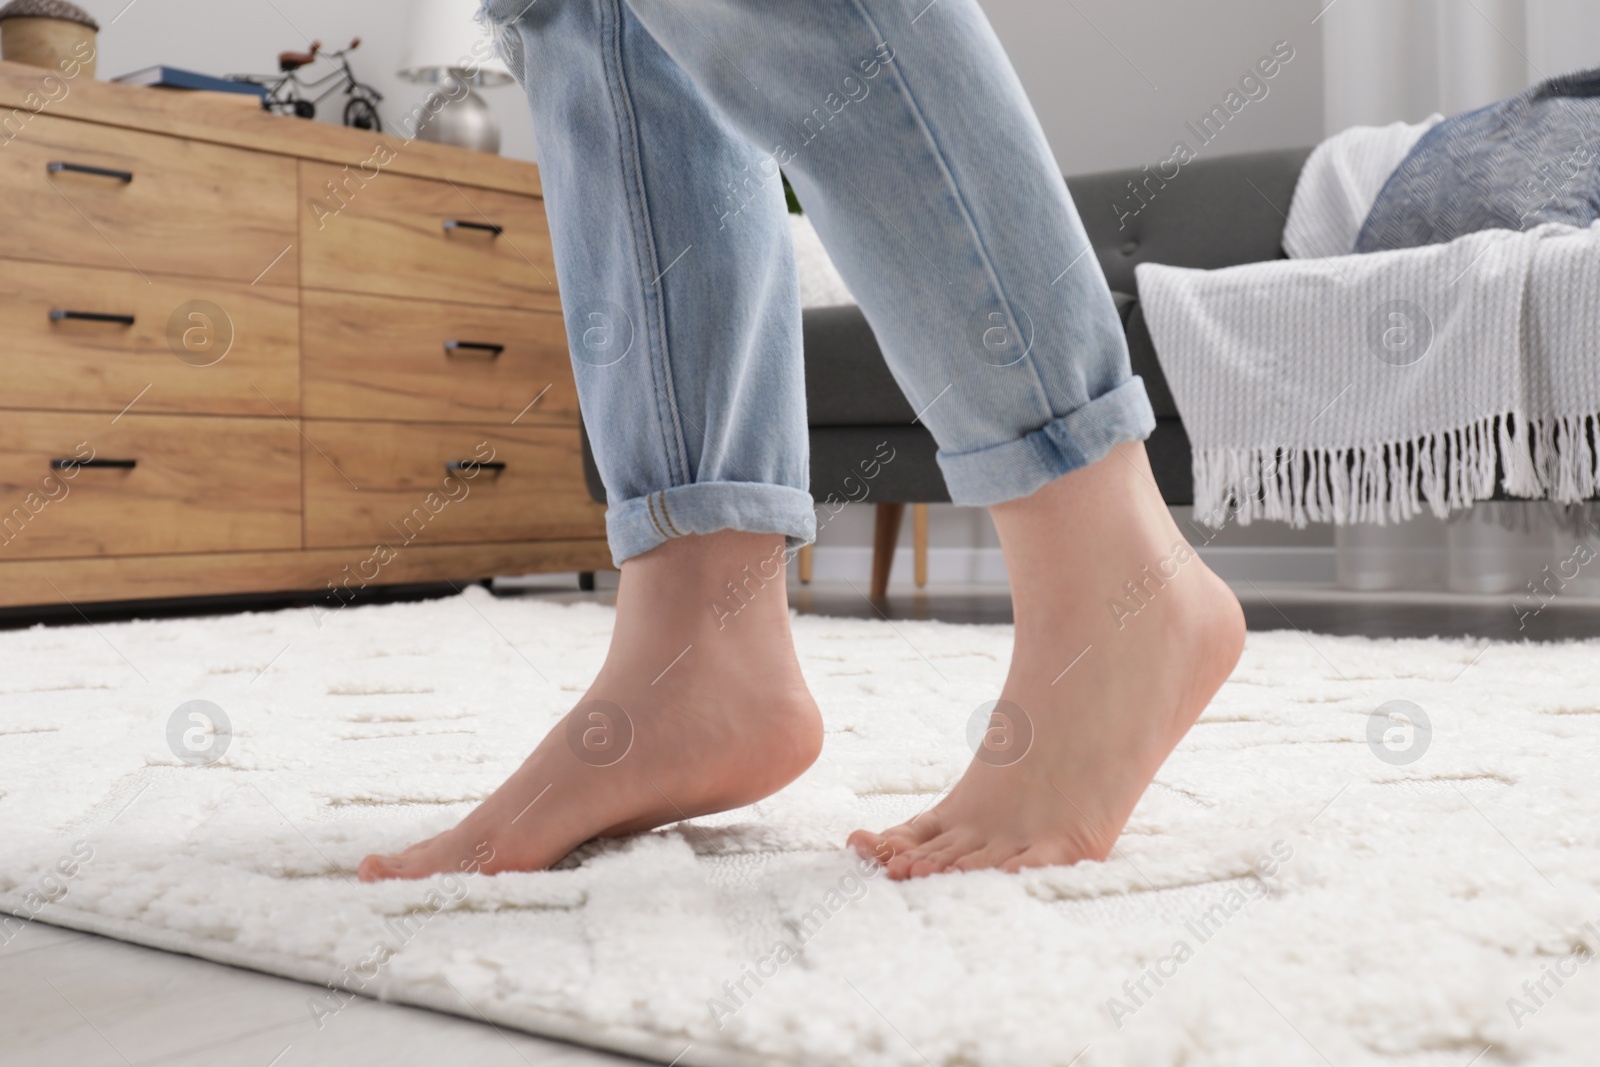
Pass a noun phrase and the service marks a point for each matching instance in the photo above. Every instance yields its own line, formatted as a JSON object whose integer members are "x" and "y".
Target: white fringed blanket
{"x": 1362, "y": 388}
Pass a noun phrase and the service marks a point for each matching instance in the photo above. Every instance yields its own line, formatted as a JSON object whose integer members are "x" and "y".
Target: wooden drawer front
{"x": 375, "y": 357}
{"x": 191, "y": 208}
{"x": 199, "y": 484}
{"x": 239, "y": 343}
{"x": 371, "y": 483}
{"x": 377, "y": 232}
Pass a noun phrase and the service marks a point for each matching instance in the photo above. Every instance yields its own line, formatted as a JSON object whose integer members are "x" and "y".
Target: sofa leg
{"x": 886, "y": 532}
{"x": 804, "y": 559}
{"x": 919, "y": 542}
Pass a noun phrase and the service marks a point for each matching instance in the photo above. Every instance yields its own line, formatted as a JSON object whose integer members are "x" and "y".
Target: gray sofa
{"x": 1215, "y": 213}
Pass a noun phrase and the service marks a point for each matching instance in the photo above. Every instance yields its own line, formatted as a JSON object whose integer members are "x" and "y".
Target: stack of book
{"x": 163, "y": 77}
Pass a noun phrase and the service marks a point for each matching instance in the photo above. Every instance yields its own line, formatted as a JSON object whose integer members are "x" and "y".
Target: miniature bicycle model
{"x": 287, "y": 94}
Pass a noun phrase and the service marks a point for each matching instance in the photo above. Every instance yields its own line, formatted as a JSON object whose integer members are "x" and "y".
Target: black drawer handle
{"x": 61, "y": 315}
{"x": 464, "y": 224}
{"x": 84, "y": 168}
{"x": 494, "y": 350}
{"x": 468, "y": 464}
{"x": 108, "y": 464}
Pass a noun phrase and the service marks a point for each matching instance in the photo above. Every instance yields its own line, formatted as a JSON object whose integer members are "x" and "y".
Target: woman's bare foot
{"x": 1122, "y": 637}
{"x": 699, "y": 707}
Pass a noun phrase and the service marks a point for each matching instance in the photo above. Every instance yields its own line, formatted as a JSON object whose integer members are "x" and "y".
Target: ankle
{"x": 1115, "y": 496}
{"x": 1084, "y": 537}
{"x": 701, "y": 583}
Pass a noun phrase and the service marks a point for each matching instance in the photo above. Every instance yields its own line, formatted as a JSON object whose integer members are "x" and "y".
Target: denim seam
{"x": 650, "y": 508}
{"x": 1040, "y": 393}
{"x": 667, "y": 516}
{"x": 644, "y": 250}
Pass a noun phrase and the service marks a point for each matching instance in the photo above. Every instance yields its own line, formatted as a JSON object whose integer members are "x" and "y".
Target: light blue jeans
{"x": 906, "y": 135}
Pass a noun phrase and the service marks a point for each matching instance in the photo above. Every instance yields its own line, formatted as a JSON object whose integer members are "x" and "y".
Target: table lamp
{"x": 451, "y": 50}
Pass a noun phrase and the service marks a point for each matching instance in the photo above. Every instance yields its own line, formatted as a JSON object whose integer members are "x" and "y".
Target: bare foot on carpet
{"x": 1105, "y": 680}
{"x": 720, "y": 717}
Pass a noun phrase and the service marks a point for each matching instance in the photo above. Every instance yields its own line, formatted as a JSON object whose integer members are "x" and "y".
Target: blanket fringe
{"x": 1554, "y": 458}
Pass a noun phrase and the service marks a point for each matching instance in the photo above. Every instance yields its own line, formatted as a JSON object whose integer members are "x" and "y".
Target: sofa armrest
{"x": 1125, "y": 303}
{"x": 1214, "y": 212}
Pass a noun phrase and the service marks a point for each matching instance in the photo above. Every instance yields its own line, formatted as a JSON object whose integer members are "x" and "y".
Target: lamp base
{"x": 454, "y": 114}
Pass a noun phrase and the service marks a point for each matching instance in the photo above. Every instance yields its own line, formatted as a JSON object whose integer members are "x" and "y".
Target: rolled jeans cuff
{"x": 640, "y": 524}
{"x": 1019, "y": 468}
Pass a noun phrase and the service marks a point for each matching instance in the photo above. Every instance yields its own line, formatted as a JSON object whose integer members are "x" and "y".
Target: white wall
{"x": 1404, "y": 59}
{"x": 1563, "y": 36}
{"x": 1114, "y": 81}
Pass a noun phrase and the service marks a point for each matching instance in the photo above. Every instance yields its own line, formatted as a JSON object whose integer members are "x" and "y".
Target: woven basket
{"x": 48, "y": 33}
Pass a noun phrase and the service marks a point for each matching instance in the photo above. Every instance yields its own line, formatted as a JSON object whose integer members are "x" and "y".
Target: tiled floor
{"x": 76, "y": 1000}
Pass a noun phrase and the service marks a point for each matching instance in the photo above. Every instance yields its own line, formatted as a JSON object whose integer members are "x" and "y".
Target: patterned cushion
{"x": 1513, "y": 165}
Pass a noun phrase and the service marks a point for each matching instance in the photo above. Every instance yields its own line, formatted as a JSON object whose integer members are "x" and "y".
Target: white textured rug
{"x": 1282, "y": 896}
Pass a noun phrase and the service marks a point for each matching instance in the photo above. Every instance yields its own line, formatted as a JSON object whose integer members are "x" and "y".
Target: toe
{"x": 414, "y": 862}
{"x": 988, "y": 857}
{"x": 893, "y": 844}
{"x": 871, "y": 846}
{"x": 940, "y": 854}
{"x": 935, "y": 855}
{"x": 917, "y": 862}
{"x": 899, "y": 866}
{"x": 377, "y": 868}
{"x": 903, "y": 863}
{"x": 1037, "y": 856}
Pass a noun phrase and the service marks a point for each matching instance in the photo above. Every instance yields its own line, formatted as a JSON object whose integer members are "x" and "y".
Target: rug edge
{"x": 627, "y": 1041}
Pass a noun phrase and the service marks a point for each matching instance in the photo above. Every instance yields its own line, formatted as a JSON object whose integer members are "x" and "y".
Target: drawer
{"x": 376, "y": 357}
{"x": 188, "y": 208}
{"x": 377, "y": 232}
{"x": 372, "y": 483}
{"x": 196, "y": 484}
{"x": 202, "y": 347}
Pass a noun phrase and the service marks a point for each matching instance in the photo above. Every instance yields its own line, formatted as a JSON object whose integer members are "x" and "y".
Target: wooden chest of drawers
{"x": 245, "y": 353}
